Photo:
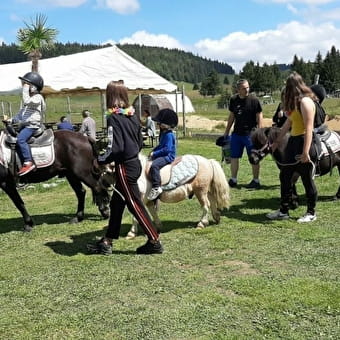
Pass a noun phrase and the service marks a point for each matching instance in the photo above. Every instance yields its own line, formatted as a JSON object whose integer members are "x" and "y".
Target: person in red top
{"x": 125, "y": 142}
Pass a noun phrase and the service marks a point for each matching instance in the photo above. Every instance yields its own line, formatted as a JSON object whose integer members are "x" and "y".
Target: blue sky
{"x": 232, "y": 31}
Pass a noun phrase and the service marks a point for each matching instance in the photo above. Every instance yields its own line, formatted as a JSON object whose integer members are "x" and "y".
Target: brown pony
{"x": 74, "y": 159}
{"x": 262, "y": 138}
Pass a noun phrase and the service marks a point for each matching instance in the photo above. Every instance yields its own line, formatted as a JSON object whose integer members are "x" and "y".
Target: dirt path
{"x": 197, "y": 122}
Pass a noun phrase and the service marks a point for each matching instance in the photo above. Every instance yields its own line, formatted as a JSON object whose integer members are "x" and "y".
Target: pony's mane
{"x": 274, "y": 134}
{"x": 259, "y": 136}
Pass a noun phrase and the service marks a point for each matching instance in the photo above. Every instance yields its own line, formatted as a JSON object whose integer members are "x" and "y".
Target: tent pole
{"x": 183, "y": 110}
{"x": 69, "y": 109}
{"x": 103, "y": 106}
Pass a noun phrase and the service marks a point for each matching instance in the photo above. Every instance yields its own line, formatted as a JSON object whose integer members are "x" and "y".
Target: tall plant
{"x": 36, "y": 37}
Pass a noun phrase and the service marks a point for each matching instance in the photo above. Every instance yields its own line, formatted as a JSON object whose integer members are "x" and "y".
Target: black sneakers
{"x": 253, "y": 185}
{"x": 232, "y": 183}
{"x": 150, "y": 248}
{"x": 100, "y": 247}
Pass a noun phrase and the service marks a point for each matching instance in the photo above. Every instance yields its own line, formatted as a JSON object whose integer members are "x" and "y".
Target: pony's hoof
{"x": 75, "y": 220}
{"x": 27, "y": 228}
{"x": 130, "y": 235}
{"x": 105, "y": 213}
{"x": 201, "y": 225}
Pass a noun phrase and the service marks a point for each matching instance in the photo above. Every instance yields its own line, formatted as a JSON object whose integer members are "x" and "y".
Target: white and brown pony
{"x": 208, "y": 184}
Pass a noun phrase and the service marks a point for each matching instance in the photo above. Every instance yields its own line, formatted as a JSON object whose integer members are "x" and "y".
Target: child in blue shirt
{"x": 165, "y": 152}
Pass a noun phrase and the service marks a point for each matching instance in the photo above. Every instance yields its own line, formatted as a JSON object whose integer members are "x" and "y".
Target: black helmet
{"x": 222, "y": 140}
{"x": 167, "y": 116}
{"x": 319, "y": 91}
{"x": 34, "y": 78}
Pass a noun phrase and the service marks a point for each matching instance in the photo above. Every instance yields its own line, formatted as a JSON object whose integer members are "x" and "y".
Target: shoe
{"x": 154, "y": 193}
{"x": 27, "y": 167}
{"x": 100, "y": 247}
{"x": 232, "y": 183}
{"x": 278, "y": 215}
{"x": 253, "y": 185}
{"x": 307, "y": 218}
{"x": 150, "y": 248}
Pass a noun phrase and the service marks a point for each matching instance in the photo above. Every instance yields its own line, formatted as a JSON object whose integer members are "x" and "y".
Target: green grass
{"x": 247, "y": 278}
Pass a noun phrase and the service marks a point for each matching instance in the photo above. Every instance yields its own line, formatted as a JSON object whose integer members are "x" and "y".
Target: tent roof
{"x": 177, "y": 104}
{"x": 86, "y": 72}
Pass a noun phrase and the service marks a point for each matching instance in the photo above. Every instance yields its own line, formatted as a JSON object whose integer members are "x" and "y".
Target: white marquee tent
{"x": 86, "y": 71}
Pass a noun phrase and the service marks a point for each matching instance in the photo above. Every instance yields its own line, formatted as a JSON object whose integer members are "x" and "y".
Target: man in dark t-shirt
{"x": 245, "y": 115}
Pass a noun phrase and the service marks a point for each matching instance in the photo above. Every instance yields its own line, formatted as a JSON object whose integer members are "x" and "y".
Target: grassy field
{"x": 247, "y": 278}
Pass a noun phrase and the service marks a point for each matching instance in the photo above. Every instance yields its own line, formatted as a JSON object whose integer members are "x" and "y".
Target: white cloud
{"x": 292, "y": 9}
{"x": 279, "y": 45}
{"x": 120, "y": 6}
{"x": 58, "y": 3}
{"x": 148, "y": 39}
{"x": 304, "y": 2}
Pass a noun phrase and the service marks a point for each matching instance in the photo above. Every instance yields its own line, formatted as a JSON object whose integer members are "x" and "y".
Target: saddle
{"x": 41, "y": 144}
{"x": 330, "y": 143}
{"x": 182, "y": 170}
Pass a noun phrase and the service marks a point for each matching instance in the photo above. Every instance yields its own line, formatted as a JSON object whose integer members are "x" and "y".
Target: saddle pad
{"x": 332, "y": 142}
{"x": 182, "y": 172}
{"x": 43, "y": 156}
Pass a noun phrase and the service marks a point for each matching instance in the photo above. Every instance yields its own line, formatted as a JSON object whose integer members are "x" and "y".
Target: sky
{"x": 231, "y": 31}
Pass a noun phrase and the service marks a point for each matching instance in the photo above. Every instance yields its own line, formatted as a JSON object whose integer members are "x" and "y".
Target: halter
{"x": 261, "y": 152}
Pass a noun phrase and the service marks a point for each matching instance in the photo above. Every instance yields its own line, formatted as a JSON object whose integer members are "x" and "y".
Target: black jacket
{"x": 125, "y": 138}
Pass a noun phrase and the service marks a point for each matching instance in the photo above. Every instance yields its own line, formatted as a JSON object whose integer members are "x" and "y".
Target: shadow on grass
{"x": 78, "y": 242}
{"x": 78, "y": 245}
{"x": 12, "y": 224}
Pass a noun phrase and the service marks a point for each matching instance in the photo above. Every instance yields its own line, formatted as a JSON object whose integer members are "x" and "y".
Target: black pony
{"x": 262, "y": 138}
{"x": 74, "y": 158}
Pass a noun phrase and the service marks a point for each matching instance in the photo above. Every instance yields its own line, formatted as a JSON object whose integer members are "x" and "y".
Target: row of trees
{"x": 267, "y": 79}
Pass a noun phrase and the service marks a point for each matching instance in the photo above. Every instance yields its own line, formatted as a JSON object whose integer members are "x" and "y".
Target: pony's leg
{"x": 153, "y": 210}
{"x": 337, "y": 195}
{"x": 9, "y": 187}
{"x": 133, "y": 232}
{"x": 81, "y": 193}
{"x": 215, "y": 212}
{"x": 294, "y": 200}
{"x": 205, "y": 205}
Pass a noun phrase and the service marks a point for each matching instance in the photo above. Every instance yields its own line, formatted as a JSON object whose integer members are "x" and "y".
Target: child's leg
{"x": 24, "y": 135}
{"x": 157, "y": 164}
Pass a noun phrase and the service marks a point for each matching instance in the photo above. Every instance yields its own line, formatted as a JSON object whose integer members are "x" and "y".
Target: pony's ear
{"x": 266, "y": 131}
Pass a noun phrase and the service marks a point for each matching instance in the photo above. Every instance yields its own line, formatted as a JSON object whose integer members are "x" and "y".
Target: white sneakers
{"x": 307, "y": 218}
{"x": 154, "y": 193}
{"x": 278, "y": 215}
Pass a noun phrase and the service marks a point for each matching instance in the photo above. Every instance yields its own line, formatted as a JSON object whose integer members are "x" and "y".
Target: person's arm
{"x": 284, "y": 129}
{"x": 307, "y": 108}
{"x": 230, "y": 123}
{"x": 259, "y": 119}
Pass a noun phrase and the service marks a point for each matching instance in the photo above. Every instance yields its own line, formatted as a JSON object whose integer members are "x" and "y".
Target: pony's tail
{"x": 219, "y": 186}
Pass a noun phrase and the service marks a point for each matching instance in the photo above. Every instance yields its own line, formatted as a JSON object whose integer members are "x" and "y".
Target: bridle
{"x": 262, "y": 152}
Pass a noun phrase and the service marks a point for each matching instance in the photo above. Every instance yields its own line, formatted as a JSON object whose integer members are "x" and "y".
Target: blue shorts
{"x": 238, "y": 143}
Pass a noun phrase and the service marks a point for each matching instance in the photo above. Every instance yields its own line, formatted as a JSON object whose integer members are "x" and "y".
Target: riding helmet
{"x": 35, "y": 79}
{"x": 319, "y": 91}
{"x": 167, "y": 117}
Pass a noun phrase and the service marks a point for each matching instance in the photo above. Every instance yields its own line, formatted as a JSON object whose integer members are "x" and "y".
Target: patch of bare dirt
{"x": 197, "y": 122}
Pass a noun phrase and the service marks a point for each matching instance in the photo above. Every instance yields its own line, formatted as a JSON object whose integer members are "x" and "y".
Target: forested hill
{"x": 172, "y": 64}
